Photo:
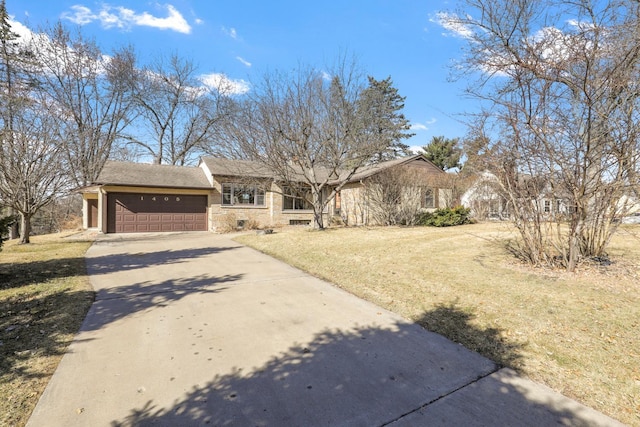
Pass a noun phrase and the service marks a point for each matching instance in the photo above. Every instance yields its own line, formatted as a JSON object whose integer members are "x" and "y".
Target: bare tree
{"x": 178, "y": 112}
{"x": 14, "y": 88}
{"x": 310, "y": 130}
{"x": 562, "y": 78}
{"x": 32, "y": 162}
{"x": 92, "y": 94}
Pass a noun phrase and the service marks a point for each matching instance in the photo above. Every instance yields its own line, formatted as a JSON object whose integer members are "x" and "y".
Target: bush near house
{"x": 446, "y": 217}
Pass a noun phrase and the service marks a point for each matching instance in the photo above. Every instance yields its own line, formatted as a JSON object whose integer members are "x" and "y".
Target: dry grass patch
{"x": 577, "y": 333}
{"x": 44, "y": 296}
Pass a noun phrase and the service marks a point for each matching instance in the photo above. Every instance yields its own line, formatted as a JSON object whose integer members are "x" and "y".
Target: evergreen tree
{"x": 444, "y": 152}
{"x": 381, "y": 106}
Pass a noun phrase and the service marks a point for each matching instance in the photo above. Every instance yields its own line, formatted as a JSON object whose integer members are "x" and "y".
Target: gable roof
{"x": 373, "y": 169}
{"x": 147, "y": 175}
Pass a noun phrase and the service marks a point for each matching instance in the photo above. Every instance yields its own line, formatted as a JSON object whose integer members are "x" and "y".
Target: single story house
{"x": 221, "y": 193}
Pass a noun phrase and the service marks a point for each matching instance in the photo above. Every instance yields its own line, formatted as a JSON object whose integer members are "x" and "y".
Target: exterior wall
{"x": 272, "y": 214}
{"x": 94, "y": 195}
{"x": 355, "y": 204}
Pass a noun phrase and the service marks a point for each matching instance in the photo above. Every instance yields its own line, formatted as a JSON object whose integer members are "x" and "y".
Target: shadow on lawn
{"x": 360, "y": 376}
{"x": 33, "y": 325}
{"x": 455, "y": 324}
{"x": 19, "y": 274}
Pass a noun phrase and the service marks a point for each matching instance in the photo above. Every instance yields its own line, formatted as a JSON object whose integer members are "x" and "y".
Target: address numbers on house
{"x": 155, "y": 198}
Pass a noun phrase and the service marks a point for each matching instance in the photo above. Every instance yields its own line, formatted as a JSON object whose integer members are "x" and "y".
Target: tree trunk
{"x": 25, "y": 228}
{"x": 318, "y": 207}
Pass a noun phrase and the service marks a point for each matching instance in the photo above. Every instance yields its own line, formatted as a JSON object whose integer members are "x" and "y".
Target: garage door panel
{"x": 131, "y": 212}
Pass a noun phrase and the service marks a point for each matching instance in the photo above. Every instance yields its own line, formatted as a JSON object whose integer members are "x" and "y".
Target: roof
{"x": 147, "y": 175}
{"x": 228, "y": 167}
{"x": 151, "y": 175}
{"x": 247, "y": 168}
{"x": 373, "y": 169}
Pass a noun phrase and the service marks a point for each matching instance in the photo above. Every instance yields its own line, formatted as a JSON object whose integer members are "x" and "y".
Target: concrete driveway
{"x": 195, "y": 329}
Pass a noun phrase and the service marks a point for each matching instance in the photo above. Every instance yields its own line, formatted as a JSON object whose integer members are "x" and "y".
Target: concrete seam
{"x": 496, "y": 369}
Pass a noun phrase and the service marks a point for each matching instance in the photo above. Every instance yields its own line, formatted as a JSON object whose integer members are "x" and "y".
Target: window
{"x": 547, "y": 206}
{"x": 337, "y": 202}
{"x": 429, "y": 199}
{"x": 242, "y": 195}
{"x": 296, "y": 200}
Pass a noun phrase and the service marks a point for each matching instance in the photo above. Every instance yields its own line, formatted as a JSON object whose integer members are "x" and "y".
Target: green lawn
{"x": 44, "y": 297}
{"x": 577, "y": 333}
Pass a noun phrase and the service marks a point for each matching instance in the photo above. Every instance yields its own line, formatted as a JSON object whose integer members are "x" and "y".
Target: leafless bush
{"x": 393, "y": 197}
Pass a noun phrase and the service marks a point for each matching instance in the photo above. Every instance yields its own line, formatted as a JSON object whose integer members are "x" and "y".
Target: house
{"x": 548, "y": 198}
{"x": 485, "y": 198}
{"x": 222, "y": 193}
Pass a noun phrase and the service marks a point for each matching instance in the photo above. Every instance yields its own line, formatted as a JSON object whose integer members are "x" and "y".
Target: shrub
{"x": 445, "y": 217}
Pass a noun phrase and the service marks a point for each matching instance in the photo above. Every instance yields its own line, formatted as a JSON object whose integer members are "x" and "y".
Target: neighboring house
{"x": 488, "y": 200}
{"x": 485, "y": 198}
{"x": 134, "y": 197}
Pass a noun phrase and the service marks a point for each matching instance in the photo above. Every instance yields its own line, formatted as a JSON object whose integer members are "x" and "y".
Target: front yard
{"x": 44, "y": 296}
{"x": 577, "y": 333}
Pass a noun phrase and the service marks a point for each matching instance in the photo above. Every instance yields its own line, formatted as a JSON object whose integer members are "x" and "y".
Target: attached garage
{"x": 140, "y": 212}
{"x": 141, "y": 198}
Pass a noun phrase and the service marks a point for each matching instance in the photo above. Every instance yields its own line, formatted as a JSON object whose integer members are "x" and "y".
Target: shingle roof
{"x": 373, "y": 169}
{"x": 245, "y": 168}
{"x": 140, "y": 174}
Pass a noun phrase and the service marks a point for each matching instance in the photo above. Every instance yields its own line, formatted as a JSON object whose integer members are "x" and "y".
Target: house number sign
{"x": 154, "y": 198}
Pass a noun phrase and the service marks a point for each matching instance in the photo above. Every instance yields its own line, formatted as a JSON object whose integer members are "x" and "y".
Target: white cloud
{"x": 423, "y": 126}
{"x": 121, "y": 17}
{"x": 326, "y": 76}
{"x": 452, "y": 23}
{"x": 24, "y": 32}
{"x": 199, "y": 21}
{"x": 225, "y": 85}
{"x": 243, "y": 61}
{"x": 231, "y": 32}
{"x": 82, "y": 15}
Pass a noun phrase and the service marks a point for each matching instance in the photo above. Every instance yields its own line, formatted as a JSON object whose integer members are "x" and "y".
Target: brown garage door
{"x": 137, "y": 213}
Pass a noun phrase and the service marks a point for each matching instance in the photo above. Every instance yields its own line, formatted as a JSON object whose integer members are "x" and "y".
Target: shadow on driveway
{"x": 316, "y": 384}
{"x": 130, "y": 261}
{"x": 117, "y": 303}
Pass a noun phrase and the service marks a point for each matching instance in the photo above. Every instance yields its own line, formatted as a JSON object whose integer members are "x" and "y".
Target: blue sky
{"x": 242, "y": 39}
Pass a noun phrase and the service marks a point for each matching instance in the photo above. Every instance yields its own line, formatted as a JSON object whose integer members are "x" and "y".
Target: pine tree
{"x": 381, "y": 107}
{"x": 443, "y": 152}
